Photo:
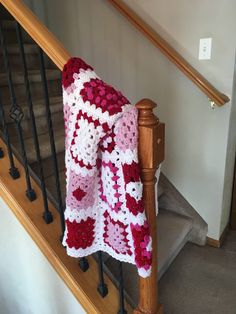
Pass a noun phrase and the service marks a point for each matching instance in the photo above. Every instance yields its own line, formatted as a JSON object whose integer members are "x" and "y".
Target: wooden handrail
{"x": 40, "y": 34}
{"x": 212, "y": 93}
{"x": 59, "y": 55}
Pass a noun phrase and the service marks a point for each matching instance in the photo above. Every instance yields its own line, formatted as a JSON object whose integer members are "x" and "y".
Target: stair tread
{"x": 51, "y": 186}
{"x": 34, "y": 76}
{"x": 44, "y": 143}
{"x": 56, "y": 105}
{"x": 8, "y": 24}
{"x": 173, "y": 231}
{"x": 173, "y": 228}
{"x": 9, "y": 27}
{"x": 28, "y": 48}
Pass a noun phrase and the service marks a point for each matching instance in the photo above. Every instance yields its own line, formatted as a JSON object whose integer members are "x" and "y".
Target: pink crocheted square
{"x": 80, "y": 192}
{"x": 115, "y": 235}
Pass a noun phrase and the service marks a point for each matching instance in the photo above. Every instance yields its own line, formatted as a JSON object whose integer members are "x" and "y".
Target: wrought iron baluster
{"x": 102, "y": 287}
{"x": 83, "y": 264}
{"x": 16, "y": 115}
{"x": 52, "y": 142}
{"x": 46, "y": 214}
{"x": 13, "y": 171}
{"x": 121, "y": 290}
{"x": 1, "y": 150}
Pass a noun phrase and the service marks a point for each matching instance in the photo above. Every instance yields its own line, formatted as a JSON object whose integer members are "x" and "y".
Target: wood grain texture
{"x": 218, "y": 243}
{"x": 29, "y": 214}
{"x": 205, "y": 86}
{"x": 213, "y": 242}
{"x": 150, "y": 155}
{"x": 40, "y": 34}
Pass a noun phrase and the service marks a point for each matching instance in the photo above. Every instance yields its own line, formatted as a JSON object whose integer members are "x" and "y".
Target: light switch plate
{"x": 205, "y": 48}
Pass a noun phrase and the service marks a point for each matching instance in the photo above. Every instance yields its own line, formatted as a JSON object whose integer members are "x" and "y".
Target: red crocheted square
{"x": 103, "y": 96}
{"x": 80, "y": 235}
{"x": 142, "y": 244}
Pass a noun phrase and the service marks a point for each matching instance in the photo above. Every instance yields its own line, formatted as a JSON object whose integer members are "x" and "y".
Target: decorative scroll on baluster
{"x": 151, "y": 154}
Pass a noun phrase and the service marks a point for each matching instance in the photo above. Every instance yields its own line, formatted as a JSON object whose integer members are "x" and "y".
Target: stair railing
{"x": 151, "y": 151}
{"x": 37, "y": 31}
{"x": 215, "y": 96}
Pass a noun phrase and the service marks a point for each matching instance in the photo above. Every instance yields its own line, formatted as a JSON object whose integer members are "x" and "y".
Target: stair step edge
{"x": 175, "y": 229}
{"x": 8, "y": 24}
{"x": 28, "y": 48}
{"x": 39, "y": 108}
{"x": 34, "y": 76}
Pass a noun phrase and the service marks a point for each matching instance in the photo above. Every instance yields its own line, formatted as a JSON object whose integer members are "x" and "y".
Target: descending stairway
{"x": 178, "y": 223}
{"x": 54, "y": 86}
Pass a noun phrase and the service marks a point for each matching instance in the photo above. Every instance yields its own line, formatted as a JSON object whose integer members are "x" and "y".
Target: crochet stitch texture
{"x": 104, "y": 205}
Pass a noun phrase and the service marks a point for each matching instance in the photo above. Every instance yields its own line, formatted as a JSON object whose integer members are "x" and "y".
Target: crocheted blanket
{"x": 104, "y": 206}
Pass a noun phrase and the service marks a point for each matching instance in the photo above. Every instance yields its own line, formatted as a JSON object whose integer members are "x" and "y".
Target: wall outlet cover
{"x": 205, "y": 48}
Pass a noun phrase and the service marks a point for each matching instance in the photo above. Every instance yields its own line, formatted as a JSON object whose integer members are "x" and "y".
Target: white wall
{"x": 182, "y": 23}
{"x": 196, "y": 136}
{"x": 28, "y": 283}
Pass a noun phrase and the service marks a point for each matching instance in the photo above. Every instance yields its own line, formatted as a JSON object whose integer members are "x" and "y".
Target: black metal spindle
{"x": 52, "y": 142}
{"x": 13, "y": 171}
{"x": 83, "y": 264}
{"x": 121, "y": 290}
{"x": 102, "y": 287}
{"x": 46, "y": 212}
{"x": 1, "y": 150}
{"x": 16, "y": 115}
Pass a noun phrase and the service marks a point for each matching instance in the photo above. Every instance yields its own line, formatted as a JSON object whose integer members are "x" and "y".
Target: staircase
{"x": 54, "y": 86}
{"x": 178, "y": 222}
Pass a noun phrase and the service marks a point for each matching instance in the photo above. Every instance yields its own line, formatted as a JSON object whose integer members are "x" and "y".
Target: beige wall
{"x": 37, "y": 7}
{"x": 196, "y": 136}
{"x": 29, "y": 284}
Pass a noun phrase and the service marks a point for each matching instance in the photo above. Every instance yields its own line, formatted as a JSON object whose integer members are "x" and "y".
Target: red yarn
{"x": 103, "y": 96}
{"x": 134, "y": 206}
{"x": 80, "y": 235}
{"x": 143, "y": 258}
{"x": 74, "y": 65}
{"x": 131, "y": 172}
{"x": 79, "y": 194}
{"x": 110, "y": 145}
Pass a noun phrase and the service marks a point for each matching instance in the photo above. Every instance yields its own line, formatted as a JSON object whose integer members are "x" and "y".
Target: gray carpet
{"x": 201, "y": 280}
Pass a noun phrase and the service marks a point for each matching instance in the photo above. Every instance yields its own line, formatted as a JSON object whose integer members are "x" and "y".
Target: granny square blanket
{"x": 104, "y": 205}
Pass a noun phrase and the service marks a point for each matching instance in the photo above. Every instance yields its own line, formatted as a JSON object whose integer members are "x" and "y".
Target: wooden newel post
{"x": 151, "y": 135}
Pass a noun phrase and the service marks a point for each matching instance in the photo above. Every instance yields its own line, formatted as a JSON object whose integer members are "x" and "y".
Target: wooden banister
{"x": 151, "y": 154}
{"x": 40, "y": 34}
{"x": 211, "y": 92}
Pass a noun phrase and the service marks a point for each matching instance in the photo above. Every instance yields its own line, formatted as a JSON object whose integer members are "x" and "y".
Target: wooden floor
{"x": 82, "y": 285}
